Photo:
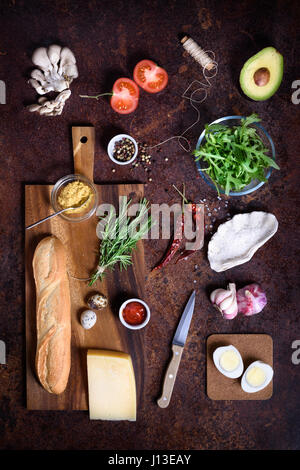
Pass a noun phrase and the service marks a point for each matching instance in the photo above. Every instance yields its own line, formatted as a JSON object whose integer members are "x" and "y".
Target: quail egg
{"x": 97, "y": 301}
{"x": 256, "y": 377}
{"x": 88, "y": 319}
{"x": 228, "y": 361}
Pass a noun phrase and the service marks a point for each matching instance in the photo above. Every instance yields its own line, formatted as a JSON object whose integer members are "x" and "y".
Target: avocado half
{"x": 262, "y": 74}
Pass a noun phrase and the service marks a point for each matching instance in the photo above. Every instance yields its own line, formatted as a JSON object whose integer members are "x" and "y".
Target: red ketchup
{"x": 134, "y": 313}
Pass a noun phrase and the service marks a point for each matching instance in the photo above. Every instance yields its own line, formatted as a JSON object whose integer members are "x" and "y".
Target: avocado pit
{"x": 262, "y": 76}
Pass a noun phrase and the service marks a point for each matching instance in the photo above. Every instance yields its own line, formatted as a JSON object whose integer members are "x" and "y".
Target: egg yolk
{"x": 255, "y": 377}
{"x": 229, "y": 360}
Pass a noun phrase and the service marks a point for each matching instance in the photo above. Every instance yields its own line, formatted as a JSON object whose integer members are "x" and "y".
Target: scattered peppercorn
{"x": 143, "y": 157}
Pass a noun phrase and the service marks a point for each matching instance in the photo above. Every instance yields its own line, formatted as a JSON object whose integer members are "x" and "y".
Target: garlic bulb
{"x": 225, "y": 301}
{"x": 251, "y": 300}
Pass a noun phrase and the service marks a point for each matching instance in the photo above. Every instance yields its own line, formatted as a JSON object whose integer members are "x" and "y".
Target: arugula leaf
{"x": 234, "y": 155}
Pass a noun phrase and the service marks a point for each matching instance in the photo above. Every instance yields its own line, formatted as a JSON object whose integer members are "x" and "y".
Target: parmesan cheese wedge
{"x": 111, "y": 385}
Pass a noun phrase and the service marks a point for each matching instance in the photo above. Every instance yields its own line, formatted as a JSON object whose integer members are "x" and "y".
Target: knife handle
{"x": 170, "y": 377}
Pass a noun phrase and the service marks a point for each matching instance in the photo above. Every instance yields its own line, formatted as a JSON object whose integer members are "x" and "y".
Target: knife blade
{"x": 177, "y": 349}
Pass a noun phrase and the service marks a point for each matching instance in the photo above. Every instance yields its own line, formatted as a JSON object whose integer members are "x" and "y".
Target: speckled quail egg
{"x": 256, "y": 377}
{"x": 97, "y": 301}
{"x": 228, "y": 361}
{"x": 88, "y": 319}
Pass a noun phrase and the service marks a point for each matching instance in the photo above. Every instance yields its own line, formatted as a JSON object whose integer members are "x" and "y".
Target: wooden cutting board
{"x": 82, "y": 245}
{"x": 252, "y": 347}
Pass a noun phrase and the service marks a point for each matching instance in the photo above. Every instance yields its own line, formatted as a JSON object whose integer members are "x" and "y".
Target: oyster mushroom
{"x": 57, "y": 69}
{"x": 67, "y": 65}
{"x": 54, "y": 52}
{"x": 51, "y": 107}
{"x": 41, "y": 59}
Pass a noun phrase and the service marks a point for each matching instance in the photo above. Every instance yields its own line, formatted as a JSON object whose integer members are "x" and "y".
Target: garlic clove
{"x": 230, "y": 312}
{"x": 225, "y": 301}
{"x": 218, "y": 295}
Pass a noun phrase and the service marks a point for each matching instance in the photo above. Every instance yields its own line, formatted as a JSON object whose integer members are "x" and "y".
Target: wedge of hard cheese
{"x": 111, "y": 384}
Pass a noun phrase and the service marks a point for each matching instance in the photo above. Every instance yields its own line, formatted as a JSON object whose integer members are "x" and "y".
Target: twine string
{"x": 198, "y": 54}
{"x": 203, "y": 87}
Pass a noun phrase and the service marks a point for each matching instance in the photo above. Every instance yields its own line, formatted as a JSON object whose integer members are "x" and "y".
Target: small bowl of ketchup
{"x": 134, "y": 314}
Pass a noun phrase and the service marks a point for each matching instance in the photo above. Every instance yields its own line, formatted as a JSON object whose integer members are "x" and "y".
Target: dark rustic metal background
{"x": 108, "y": 38}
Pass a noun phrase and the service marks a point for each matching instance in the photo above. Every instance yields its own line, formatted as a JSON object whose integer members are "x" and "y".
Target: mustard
{"x": 73, "y": 195}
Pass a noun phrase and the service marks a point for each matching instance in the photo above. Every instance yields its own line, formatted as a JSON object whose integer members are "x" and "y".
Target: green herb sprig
{"x": 235, "y": 155}
{"x": 119, "y": 236}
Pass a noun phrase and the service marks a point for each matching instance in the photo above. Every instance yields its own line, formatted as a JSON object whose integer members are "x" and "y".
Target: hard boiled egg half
{"x": 228, "y": 361}
{"x": 256, "y": 377}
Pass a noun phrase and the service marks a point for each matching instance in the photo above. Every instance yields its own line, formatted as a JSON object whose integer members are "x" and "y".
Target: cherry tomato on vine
{"x": 125, "y": 97}
{"x": 150, "y": 76}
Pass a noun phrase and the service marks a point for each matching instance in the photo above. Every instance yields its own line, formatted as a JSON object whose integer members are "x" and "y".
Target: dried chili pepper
{"x": 198, "y": 218}
{"x": 179, "y": 228}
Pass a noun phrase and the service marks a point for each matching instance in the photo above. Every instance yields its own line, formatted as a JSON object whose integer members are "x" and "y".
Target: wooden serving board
{"x": 252, "y": 347}
{"x": 82, "y": 247}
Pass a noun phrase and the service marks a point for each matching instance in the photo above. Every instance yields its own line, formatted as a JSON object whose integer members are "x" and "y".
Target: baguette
{"x": 53, "y": 315}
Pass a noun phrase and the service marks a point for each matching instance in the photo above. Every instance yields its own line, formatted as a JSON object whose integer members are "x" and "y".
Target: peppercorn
{"x": 124, "y": 150}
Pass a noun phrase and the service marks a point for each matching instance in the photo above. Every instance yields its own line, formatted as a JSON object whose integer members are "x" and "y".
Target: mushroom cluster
{"x": 57, "y": 69}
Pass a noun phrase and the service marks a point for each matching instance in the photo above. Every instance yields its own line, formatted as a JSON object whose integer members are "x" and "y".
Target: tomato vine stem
{"x": 96, "y": 97}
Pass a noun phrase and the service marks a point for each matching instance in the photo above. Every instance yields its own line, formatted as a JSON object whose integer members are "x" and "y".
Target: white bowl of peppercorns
{"x": 122, "y": 149}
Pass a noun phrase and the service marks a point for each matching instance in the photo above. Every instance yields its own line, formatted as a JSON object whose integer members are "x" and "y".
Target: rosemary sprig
{"x": 119, "y": 237}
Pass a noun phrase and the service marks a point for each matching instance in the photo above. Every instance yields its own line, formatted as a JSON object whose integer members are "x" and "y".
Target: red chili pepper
{"x": 179, "y": 228}
{"x": 198, "y": 218}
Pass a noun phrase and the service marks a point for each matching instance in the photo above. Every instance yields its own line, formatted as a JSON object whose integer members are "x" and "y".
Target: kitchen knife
{"x": 177, "y": 348}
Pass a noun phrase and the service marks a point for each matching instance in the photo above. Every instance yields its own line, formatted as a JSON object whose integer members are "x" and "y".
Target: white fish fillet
{"x": 236, "y": 241}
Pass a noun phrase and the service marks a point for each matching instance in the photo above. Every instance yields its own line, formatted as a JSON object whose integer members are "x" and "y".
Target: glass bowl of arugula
{"x": 235, "y": 155}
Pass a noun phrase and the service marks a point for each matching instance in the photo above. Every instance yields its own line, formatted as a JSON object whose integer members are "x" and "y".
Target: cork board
{"x": 252, "y": 347}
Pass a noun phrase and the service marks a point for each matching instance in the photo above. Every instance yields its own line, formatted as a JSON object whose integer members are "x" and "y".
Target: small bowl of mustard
{"x": 74, "y": 191}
